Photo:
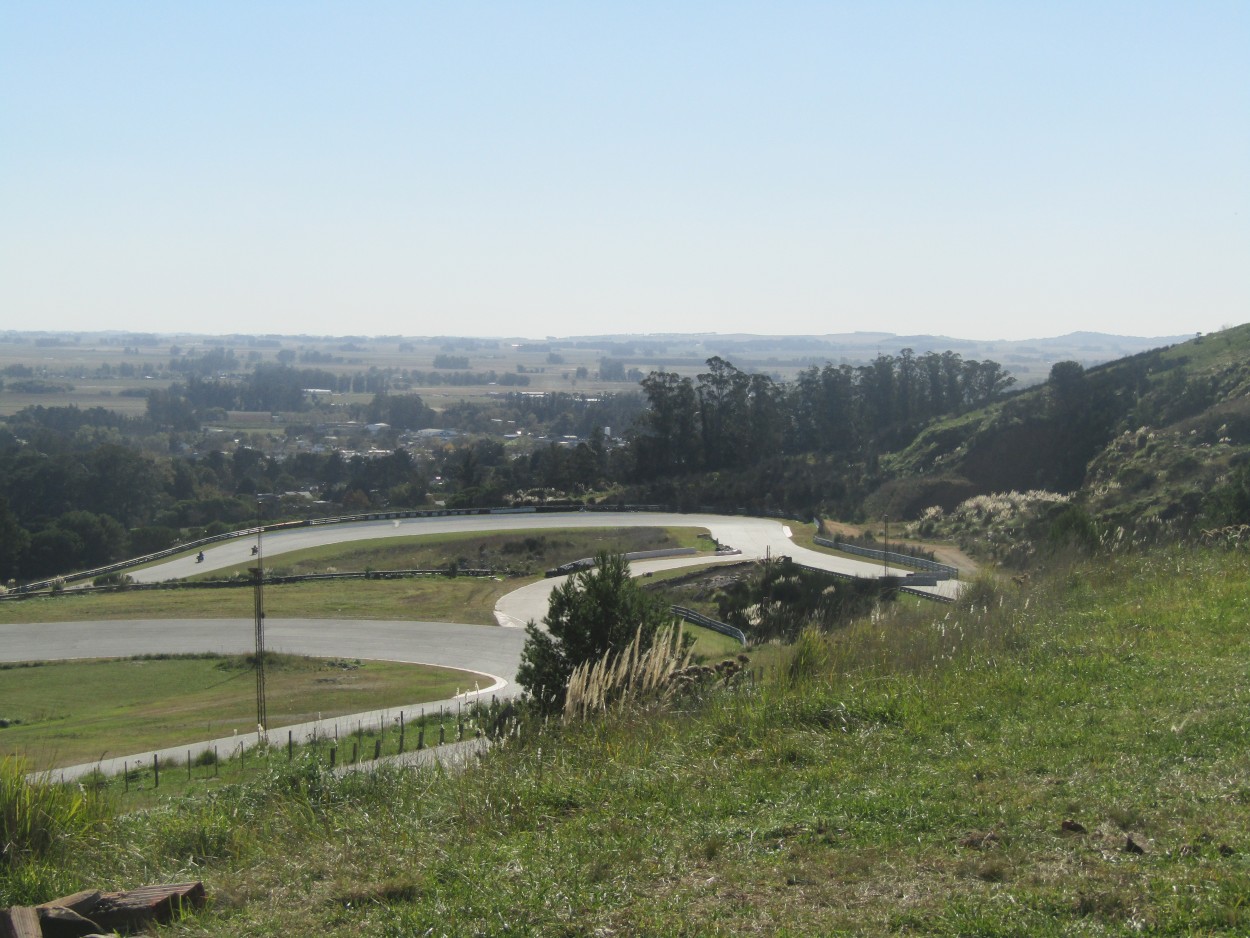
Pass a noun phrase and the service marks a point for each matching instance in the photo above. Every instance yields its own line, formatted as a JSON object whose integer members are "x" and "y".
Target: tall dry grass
{"x": 627, "y": 677}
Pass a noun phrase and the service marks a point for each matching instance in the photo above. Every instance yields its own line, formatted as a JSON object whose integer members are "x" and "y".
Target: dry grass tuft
{"x": 627, "y": 677}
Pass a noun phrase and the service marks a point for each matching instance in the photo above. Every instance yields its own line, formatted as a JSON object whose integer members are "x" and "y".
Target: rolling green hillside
{"x": 1069, "y": 758}
{"x": 1138, "y": 442}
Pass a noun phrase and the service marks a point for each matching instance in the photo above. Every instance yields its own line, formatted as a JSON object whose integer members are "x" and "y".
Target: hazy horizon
{"x": 867, "y": 335}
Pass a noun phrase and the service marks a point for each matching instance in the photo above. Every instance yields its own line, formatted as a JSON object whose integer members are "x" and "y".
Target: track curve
{"x": 495, "y": 652}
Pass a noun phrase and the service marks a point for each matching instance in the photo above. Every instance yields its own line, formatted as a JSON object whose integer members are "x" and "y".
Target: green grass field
{"x": 711, "y": 646}
{"x": 77, "y": 711}
{"x": 522, "y": 552}
{"x": 911, "y": 774}
{"x": 113, "y": 727}
{"x": 468, "y": 600}
{"x": 436, "y": 599}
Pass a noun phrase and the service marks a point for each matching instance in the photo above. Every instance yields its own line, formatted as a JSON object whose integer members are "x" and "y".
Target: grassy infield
{"x": 435, "y": 599}
{"x": 77, "y": 711}
{"x": 911, "y": 774}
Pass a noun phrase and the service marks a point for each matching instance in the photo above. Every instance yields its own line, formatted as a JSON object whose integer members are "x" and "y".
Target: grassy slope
{"x": 915, "y": 780}
{"x": 1121, "y": 490}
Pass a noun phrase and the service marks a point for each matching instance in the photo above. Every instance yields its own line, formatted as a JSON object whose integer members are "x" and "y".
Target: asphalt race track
{"x": 492, "y": 652}
{"x": 480, "y": 648}
{"x": 753, "y": 537}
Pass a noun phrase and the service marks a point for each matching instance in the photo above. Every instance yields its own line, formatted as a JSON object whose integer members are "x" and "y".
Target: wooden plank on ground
{"x": 20, "y": 921}
{"x": 137, "y": 908}
{"x": 78, "y": 902}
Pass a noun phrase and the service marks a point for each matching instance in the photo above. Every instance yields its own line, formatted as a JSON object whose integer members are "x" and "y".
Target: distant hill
{"x": 1029, "y": 360}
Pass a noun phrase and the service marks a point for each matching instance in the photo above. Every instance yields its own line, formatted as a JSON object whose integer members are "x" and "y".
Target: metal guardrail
{"x": 935, "y": 597}
{"x": 899, "y": 584}
{"x": 380, "y": 575}
{"x": 308, "y": 522}
{"x": 139, "y": 561}
{"x": 941, "y": 570}
{"x": 586, "y": 563}
{"x": 269, "y": 581}
{"x": 707, "y": 622}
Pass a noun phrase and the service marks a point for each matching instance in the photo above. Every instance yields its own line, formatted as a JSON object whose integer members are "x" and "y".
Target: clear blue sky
{"x": 982, "y": 170}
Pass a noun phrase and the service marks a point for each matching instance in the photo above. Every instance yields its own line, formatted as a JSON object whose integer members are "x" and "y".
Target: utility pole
{"x": 258, "y": 573}
{"x": 885, "y": 553}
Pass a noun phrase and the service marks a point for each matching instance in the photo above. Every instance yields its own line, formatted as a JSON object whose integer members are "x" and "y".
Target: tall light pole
{"x": 258, "y": 571}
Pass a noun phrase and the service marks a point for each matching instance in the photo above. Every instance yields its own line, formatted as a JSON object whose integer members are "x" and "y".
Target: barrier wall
{"x": 940, "y": 570}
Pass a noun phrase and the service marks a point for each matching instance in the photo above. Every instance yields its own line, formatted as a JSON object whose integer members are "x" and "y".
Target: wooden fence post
{"x": 156, "y": 771}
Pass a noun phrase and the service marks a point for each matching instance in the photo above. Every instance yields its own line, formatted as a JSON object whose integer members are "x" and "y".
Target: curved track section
{"x": 490, "y": 652}
{"x": 755, "y": 538}
{"x": 494, "y": 652}
{"x": 479, "y": 648}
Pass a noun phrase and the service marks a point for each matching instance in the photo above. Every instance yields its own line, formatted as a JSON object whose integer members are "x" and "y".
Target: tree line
{"x": 84, "y": 487}
{"x": 726, "y": 418}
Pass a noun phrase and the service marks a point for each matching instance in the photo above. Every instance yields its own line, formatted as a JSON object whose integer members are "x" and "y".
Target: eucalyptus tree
{"x": 666, "y": 437}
